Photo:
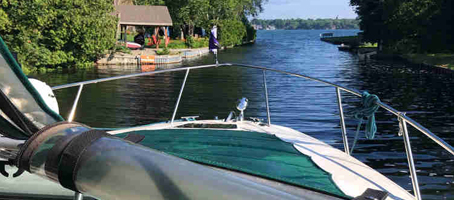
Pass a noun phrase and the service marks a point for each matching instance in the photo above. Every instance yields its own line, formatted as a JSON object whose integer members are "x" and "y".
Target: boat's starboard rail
{"x": 398, "y": 114}
{"x": 402, "y": 118}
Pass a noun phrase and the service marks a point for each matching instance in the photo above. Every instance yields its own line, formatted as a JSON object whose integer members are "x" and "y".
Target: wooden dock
{"x": 346, "y": 40}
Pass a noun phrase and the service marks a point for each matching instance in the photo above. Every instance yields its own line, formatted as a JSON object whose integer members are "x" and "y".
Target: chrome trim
{"x": 403, "y": 118}
{"x": 342, "y": 121}
{"x": 268, "y": 116}
{"x": 229, "y": 117}
{"x": 131, "y": 75}
{"x": 10, "y": 144}
{"x": 76, "y": 100}
{"x": 179, "y": 97}
{"x": 411, "y": 164}
{"x": 78, "y": 196}
{"x": 413, "y": 123}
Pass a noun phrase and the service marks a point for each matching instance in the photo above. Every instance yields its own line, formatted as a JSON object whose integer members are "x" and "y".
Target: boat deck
{"x": 350, "y": 175}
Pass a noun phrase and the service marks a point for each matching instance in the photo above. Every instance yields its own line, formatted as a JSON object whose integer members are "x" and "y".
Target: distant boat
{"x": 343, "y": 47}
{"x": 323, "y": 35}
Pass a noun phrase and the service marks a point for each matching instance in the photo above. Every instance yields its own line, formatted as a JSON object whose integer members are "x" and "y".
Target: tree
{"x": 370, "y": 13}
{"x": 58, "y": 32}
{"x": 4, "y": 20}
{"x": 232, "y": 32}
{"x": 186, "y": 14}
{"x": 308, "y": 23}
{"x": 407, "y": 26}
{"x": 194, "y": 13}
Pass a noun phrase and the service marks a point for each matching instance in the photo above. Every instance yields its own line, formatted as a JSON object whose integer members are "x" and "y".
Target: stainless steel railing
{"x": 402, "y": 118}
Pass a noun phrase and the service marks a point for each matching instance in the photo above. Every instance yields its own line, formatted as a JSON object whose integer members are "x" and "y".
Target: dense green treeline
{"x": 408, "y": 26}
{"x": 306, "y": 23}
{"x": 57, "y": 32}
{"x": 74, "y": 33}
{"x": 230, "y": 16}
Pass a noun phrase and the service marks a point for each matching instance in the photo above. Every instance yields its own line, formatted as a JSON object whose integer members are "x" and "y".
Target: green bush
{"x": 201, "y": 42}
{"x": 368, "y": 45}
{"x": 56, "y": 33}
{"x": 177, "y": 44}
{"x": 404, "y": 46}
{"x": 190, "y": 41}
{"x": 122, "y": 49}
{"x": 251, "y": 33}
{"x": 164, "y": 51}
{"x": 231, "y": 32}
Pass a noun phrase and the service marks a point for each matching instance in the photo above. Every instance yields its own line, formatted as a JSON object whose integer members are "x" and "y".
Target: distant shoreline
{"x": 305, "y": 24}
{"x": 306, "y": 29}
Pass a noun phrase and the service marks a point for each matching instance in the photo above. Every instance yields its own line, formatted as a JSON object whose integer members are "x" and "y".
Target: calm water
{"x": 300, "y": 104}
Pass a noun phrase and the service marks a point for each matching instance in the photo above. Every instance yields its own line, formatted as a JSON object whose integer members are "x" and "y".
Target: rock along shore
{"x": 149, "y": 56}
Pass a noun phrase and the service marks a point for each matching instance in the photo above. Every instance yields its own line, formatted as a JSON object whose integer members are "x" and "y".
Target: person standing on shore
{"x": 140, "y": 38}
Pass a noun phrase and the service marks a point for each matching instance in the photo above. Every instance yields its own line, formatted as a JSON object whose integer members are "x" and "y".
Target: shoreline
{"x": 421, "y": 63}
{"x": 438, "y": 63}
{"x": 149, "y": 56}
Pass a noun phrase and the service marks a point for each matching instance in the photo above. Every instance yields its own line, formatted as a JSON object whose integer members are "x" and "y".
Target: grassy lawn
{"x": 368, "y": 45}
{"x": 174, "y": 44}
{"x": 440, "y": 59}
{"x": 349, "y": 40}
{"x": 177, "y": 44}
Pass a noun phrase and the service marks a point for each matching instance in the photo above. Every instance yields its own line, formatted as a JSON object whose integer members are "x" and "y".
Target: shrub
{"x": 176, "y": 44}
{"x": 122, "y": 49}
{"x": 56, "y": 33}
{"x": 231, "y": 32}
{"x": 164, "y": 51}
{"x": 251, "y": 33}
{"x": 190, "y": 41}
{"x": 201, "y": 42}
{"x": 196, "y": 43}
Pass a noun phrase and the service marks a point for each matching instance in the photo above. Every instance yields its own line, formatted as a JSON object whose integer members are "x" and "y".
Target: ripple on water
{"x": 304, "y": 105}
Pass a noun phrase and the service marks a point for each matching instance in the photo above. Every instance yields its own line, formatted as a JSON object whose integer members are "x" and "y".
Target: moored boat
{"x": 133, "y": 45}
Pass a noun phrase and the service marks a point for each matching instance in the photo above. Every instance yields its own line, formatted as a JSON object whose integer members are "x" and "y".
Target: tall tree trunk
{"x": 182, "y": 32}
{"x": 191, "y": 30}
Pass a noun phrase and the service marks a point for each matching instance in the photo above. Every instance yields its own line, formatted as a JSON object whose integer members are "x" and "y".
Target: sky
{"x": 286, "y": 9}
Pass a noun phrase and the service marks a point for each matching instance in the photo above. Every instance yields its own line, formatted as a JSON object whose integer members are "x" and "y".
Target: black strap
{"x": 134, "y": 137}
{"x": 16, "y": 116}
{"x": 372, "y": 194}
{"x": 67, "y": 169}
{"x": 54, "y": 155}
{"x": 31, "y": 145}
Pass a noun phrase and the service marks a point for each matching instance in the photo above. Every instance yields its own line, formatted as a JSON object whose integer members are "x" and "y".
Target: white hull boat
{"x": 229, "y": 158}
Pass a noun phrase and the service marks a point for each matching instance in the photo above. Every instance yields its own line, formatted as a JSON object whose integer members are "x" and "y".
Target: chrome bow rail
{"x": 402, "y": 118}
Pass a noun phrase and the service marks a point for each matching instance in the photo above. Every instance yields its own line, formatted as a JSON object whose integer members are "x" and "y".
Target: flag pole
{"x": 214, "y": 44}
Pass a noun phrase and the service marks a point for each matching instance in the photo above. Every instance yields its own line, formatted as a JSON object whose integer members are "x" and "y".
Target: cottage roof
{"x": 144, "y": 15}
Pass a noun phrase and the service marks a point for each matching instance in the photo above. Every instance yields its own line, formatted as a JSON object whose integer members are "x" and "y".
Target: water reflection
{"x": 304, "y": 105}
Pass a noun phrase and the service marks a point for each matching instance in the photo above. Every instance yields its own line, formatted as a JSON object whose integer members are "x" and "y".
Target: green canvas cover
{"x": 254, "y": 153}
{"x": 23, "y": 97}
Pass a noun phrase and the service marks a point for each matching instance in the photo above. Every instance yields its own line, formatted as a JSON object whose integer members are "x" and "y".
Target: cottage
{"x": 146, "y": 16}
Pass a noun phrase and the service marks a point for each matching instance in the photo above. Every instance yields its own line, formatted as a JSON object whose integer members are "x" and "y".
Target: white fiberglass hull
{"x": 351, "y": 175}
